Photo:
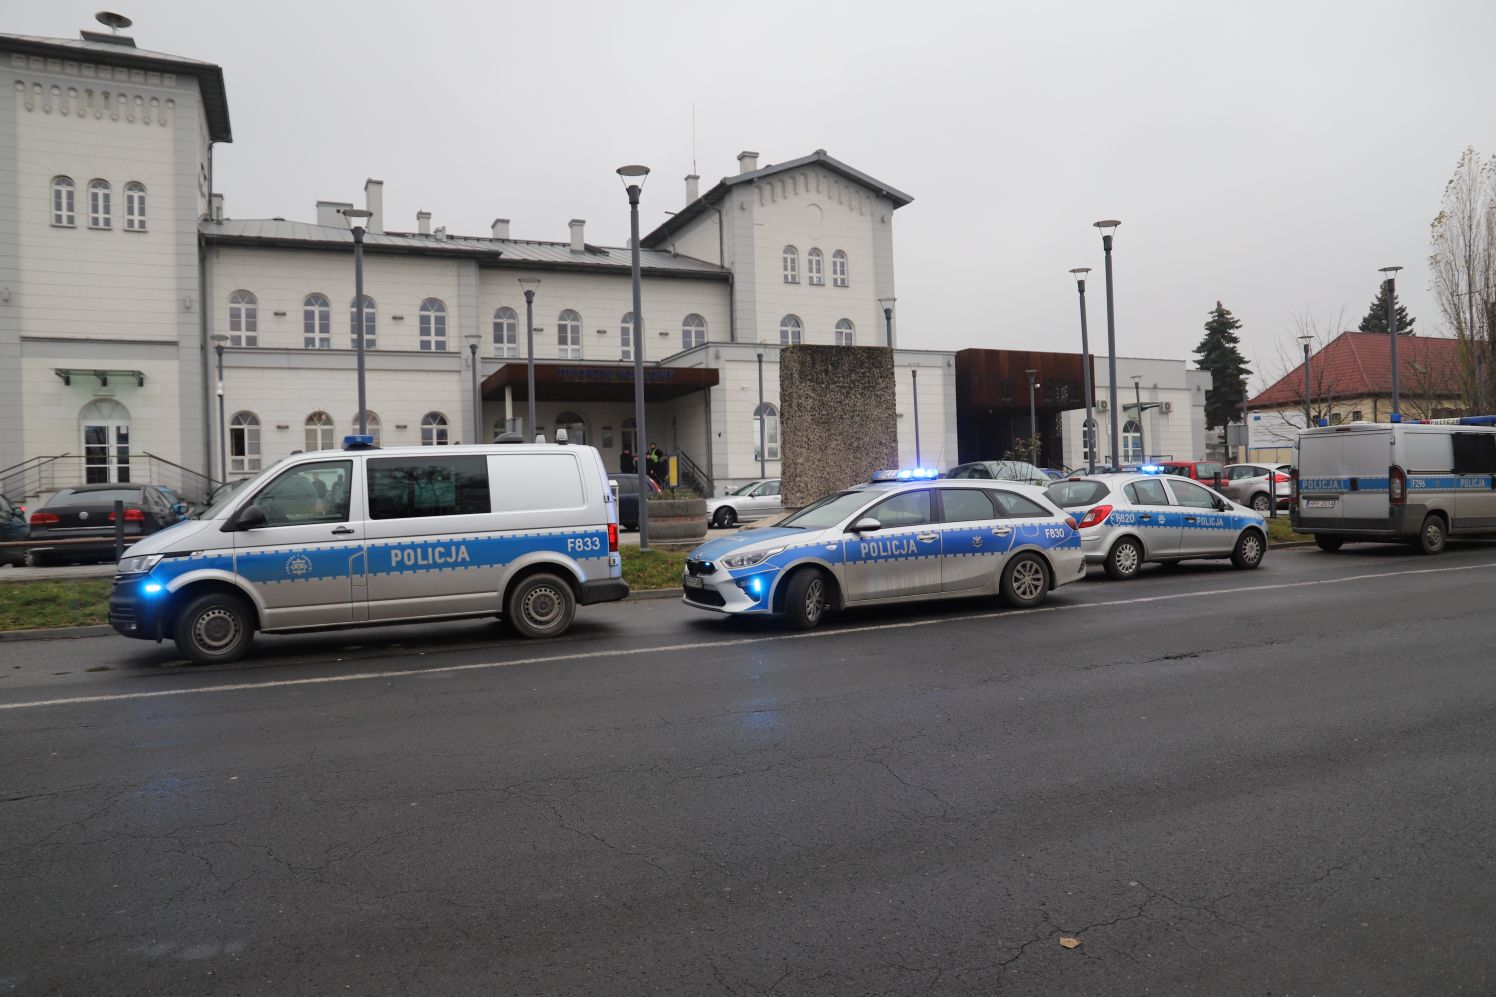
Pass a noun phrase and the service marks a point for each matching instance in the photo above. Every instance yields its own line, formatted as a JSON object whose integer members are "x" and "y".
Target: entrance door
{"x": 106, "y": 442}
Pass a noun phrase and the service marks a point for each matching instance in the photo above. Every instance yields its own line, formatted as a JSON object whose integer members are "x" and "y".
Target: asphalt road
{"x": 1220, "y": 782}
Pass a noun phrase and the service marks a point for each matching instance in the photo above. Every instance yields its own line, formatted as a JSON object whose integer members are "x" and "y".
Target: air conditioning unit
{"x": 1167, "y": 407}
{"x": 1102, "y": 405}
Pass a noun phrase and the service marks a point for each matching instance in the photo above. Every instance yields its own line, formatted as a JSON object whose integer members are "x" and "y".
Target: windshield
{"x": 226, "y": 493}
{"x": 828, "y": 512}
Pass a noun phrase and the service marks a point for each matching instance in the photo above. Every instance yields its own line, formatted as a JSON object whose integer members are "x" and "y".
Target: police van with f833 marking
{"x": 1418, "y": 482}
{"x": 368, "y": 536}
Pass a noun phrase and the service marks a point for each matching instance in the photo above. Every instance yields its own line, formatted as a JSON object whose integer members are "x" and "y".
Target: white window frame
{"x": 569, "y": 335}
{"x": 505, "y": 332}
{"x": 626, "y": 336}
{"x": 433, "y": 336}
{"x": 839, "y": 269}
{"x": 846, "y": 333}
{"x": 100, "y": 204}
{"x": 1132, "y": 442}
{"x": 790, "y": 256}
{"x": 692, "y": 331}
{"x": 791, "y": 331}
{"x": 244, "y": 318}
{"x": 371, "y": 323}
{"x": 435, "y": 430}
{"x": 815, "y": 268}
{"x": 134, "y": 206}
{"x": 319, "y": 428}
{"x": 771, "y": 431}
{"x": 244, "y": 443}
{"x": 64, "y": 202}
{"x": 316, "y": 321}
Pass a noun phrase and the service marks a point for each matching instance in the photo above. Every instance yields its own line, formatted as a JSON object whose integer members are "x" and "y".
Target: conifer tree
{"x": 1220, "y": 355}
{"x": 1376, "y": 317}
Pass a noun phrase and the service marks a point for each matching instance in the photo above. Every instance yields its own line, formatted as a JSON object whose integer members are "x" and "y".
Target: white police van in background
{"x": 369, "y": 536}
{"x": 1418, "y": 482}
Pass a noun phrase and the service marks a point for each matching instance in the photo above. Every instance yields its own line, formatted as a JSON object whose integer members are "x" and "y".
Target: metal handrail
{"x": 691, "y": 473}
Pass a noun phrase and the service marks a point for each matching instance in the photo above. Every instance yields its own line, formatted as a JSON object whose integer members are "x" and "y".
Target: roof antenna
{"x": 113, "y": 21}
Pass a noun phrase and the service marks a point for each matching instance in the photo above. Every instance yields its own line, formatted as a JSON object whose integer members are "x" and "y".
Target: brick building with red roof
{"x": 1351, "y": 379}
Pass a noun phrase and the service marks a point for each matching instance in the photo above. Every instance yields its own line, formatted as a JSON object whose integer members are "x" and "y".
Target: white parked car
{"x": 755, "y": 500}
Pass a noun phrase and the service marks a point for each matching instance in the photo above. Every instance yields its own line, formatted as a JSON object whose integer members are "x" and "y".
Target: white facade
{"x": 1173, "y": 412}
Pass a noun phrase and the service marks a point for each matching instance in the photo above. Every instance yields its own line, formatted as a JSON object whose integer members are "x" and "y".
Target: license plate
{"x": 1319, "y": 503}
{"x": 692, "y": 582}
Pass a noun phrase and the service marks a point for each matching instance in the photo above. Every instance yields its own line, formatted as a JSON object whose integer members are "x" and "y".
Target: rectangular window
{"x": 62, "y": 206}
{"x": 98, "y": 207}
{"x": 134, "y": 210}
{"x": 1474, "y": 453}
{"x": 1147, "y": 493}
{"x": 965, "y": 505}
{"x": 409, "y": 487}
{"x": 535, "y": 481}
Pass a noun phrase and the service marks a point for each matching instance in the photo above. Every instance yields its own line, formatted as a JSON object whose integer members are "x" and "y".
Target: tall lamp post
{"x": 1111, "y": 333}
{"x": 633, "y": 177}
{"x": 1137, "y": 400}
{"x": 914, "y": 381}
{"x": 528, "y": 285}
{"x": 763, "y": 420}
{"x": 356, "y": 218}
{"x": 1033, "y": 416}
{"x": 1309, "y": 415}
{"x": 472, "y": 341}
{"x": 219, "y": 342}
{"x": 887, "y": 304}
{"x": 1088, "y": 431}
{"x": 1390, "y": 287}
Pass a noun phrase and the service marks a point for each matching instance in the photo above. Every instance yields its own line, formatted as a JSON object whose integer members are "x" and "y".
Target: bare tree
{"x": 1288, "y": 359}
{"x": 1462, "y": 265}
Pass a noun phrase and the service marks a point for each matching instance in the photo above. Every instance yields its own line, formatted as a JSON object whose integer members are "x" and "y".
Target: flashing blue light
{"x": 757, "y": 585}
{"x": 357, "y": 442}
{"x": 907, "y": 474}
{"x": 1151, "y": 469}
{"x": 151, "y": 588}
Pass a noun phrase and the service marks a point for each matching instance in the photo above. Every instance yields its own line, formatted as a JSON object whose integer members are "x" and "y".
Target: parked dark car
{"x": 178, "y": 507}
{"x": 12, "y": 529}
{"x": 628, "y": 498}
{"x": 87, "y": 512}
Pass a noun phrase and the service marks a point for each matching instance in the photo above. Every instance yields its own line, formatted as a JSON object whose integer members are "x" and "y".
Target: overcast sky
{"x": 1270, "y": 155}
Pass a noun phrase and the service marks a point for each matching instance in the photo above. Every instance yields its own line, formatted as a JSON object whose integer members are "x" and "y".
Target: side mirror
{"x": 867, "y": 524}
{"x": 1222, "y": 505}
{"x": 180, "y": 508}
{"x": 249, "y": 517}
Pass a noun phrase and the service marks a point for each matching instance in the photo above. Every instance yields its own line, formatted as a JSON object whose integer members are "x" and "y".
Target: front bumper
{"x": 135, "y": 612}
{"x": 720, "y": 592}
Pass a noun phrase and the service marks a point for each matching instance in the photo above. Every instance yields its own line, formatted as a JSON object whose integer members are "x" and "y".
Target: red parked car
{"x": 1207, "y": 472}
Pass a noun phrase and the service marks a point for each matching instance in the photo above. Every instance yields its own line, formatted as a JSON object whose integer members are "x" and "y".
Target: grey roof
{"x": 123, "y": 52}
{"x": 818, "y": 158}
{"x": 489, "y": 252}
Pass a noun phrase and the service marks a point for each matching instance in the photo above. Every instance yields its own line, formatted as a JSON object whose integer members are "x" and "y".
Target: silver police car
{"x": 902, "y": 537}
{"x": 1129, "y": 518}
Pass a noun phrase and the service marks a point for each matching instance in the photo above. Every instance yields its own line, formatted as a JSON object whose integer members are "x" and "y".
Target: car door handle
{"x": 1001, "y": 531}
{"x": 342, "y": 531}
{"x": 928, "y": 537}
{"x": 1145, "y": 517}
{"x": 1189, "y": 519}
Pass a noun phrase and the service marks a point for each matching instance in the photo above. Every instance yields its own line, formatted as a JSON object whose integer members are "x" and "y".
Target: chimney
{"x": 423, "y": 222}
{"x": 578, "y": 244}
{"x": 693, "y": 187}
{"x": 501, "y": 228}
{"x": 215, "y": 207}
{"x": 374, "y": 201}
{"x": 330, "y": 213}
{"x": 747, "y": 162}
{"x": 441, "y": 232}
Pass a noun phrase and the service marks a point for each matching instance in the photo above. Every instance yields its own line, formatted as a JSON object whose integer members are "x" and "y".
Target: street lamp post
{"x": 914, "y": 380}
{"x": 1033, "y": 417}
{"x": 1111, "y": 333}
{"x": 356, "y": 217}
{"x": 529, "y": 284}
{"x": 887, "y": 304}
{"x": 763, "y": 420}
{"x": 472, "y": 341}
{"x": 1308, "y": 393}
{"x": 219, "y": 341}
{"x": 1390, "y": 287}
{"x": 1137, "y": 400}
{"x": 1088, "y": 431}
{"x": 633, "y": 180}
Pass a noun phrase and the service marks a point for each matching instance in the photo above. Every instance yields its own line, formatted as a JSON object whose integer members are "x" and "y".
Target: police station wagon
{"x": 896, "y": 539}
{"x": 369, "y": 536}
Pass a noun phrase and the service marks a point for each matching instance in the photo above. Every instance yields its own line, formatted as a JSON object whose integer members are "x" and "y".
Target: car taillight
{"x": 1280, "y": 478}
{"x": 131, "y": 516}
{"x": 1095, "y": 516}
{"x": 1397, "y": 485}
{"x": 612, "y": 538}
{"x": 43, "y": 518}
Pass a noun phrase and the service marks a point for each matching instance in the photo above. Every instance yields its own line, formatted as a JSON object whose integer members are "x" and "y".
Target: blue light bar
{"x": 1151, "y": 469}
{"x": 356, "y": 442}
{"x": 907, "y": 474}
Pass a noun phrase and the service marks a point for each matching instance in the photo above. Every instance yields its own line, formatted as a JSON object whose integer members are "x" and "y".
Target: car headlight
{"x": 748, "y": 559}
{"x": 137, "y": 565}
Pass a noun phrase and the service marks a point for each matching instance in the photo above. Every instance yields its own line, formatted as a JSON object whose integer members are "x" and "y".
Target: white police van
{"x": 1417, "y": 482}
{"x": 370, "y": 536}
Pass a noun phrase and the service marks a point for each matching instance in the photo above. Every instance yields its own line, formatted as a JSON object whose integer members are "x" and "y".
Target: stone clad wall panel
{"x": 837, "y": 419}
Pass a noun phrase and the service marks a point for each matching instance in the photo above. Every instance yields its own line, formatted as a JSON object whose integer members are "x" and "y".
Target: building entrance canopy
{"x": 593, "y": 382}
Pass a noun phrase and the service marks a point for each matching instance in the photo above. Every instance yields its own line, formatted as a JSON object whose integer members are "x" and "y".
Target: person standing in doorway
{"x": 626, "y": 462}
{"x": 655, "y": 463}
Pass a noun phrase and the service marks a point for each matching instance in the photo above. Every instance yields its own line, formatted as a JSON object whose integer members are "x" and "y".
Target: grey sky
{"x": 1271, "y": 155}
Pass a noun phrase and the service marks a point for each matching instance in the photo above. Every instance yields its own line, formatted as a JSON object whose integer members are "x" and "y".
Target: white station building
{"x": 119, "y": 267}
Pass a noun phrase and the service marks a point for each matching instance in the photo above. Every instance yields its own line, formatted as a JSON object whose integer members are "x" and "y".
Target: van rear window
{"x": 410, "y": 487}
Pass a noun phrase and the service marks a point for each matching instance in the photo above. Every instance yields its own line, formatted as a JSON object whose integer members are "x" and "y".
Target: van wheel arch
{"x": 541, "y": 568}
{"x": 191, "y": 591}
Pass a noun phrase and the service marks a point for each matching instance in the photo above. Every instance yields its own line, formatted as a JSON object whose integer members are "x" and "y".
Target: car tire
{"x": 1250, "y": 548}
{"x": 37, "y": 559}
{"x": 1124, "y": 560}
{"x": 1025, "y": 581}
{"x": 806, "y": 599}
{"x": 1328, "y": 543}
{"x": 214, "y": 629}
{"x": 724, "y": 518}
{"x": 1261, "y": 503}
{"x": 1431, "y": 535}
{"x": 541, "y": 605}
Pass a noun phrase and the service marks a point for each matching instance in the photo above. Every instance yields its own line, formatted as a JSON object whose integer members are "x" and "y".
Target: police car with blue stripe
{"x": 902, "y": 537}
{"x": 368, "y": 536}
{"x": 1127, "y": 519}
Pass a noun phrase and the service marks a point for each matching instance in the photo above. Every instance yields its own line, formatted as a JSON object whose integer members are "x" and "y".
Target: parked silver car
{"x": 1248, "y": 484}
{"x": 755, "y": 500}
{"x": 1000, "y": 470}
{"x": 1129, "y": 518}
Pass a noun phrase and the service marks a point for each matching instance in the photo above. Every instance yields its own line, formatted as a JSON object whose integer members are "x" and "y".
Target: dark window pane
{"x": 1018, "y": 507}
{"x": 402, "y": 488}
{"x": 909, "y": 509}
{"x": 965, "y": 505}
{"x": 1147, "y": 493}
{"x": 1068, "y": 494}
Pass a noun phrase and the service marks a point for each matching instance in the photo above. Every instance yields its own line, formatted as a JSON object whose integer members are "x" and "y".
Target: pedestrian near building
{"x": 626, "y": 462}
{"x": 655, "y": 464}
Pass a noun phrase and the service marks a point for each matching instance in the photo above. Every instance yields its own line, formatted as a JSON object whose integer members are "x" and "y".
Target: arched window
{"x": 63, "y": 205}
{"x": 789, "y": 330}
{"x": 626, "y": 336}
{"x": 244, "y": 319}
{"x": 815, "y": 273}
{"x": 372, "y": 424}
{"x": 576, "y": 428}
{"x": 569, "y": 335}
{"x": 319, "y": 429}
{"x": 371, "y": 314}
{"x": 99, "y": 195}
{"x": 1132, "y": 442}
{"x": 106, "y": 441}
{"x": 791, "y": 265}
{"x": 244, "y": 443}
{"x": 433, "y": 326}
{"x": 505, "y": 333}
{"x": 766, "y": 422}
{"x": 134, "y": 206}
{"x": 846, "y": 333}
{"x": 629, "y": 436}
{"x": 316, "y": 322}
{"x": 838, "y": 269}
{"x": 434, "y": 430}
{"x": 692, "y": 331}
{"x": 1088, "y": 441}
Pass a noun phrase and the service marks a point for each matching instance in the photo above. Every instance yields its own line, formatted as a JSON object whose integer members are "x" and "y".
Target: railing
{"x": 31, "y": 478}
{"x": 691, "y": 475}
{"x": 40, "y": 476}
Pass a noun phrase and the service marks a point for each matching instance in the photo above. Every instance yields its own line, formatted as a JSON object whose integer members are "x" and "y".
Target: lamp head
{"x": 1389, "y": 273}
{"x": 357, "y": 217}
{"x": 528, "y": 285}
{"x": 887, "y": 303}
{"x": 1107, "y": 225}
{"x": 1137, "y": 378}
{"x": 219, "y": 339}
{"x": 1080, "y": 272}
{"x": 633, "y": 175}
